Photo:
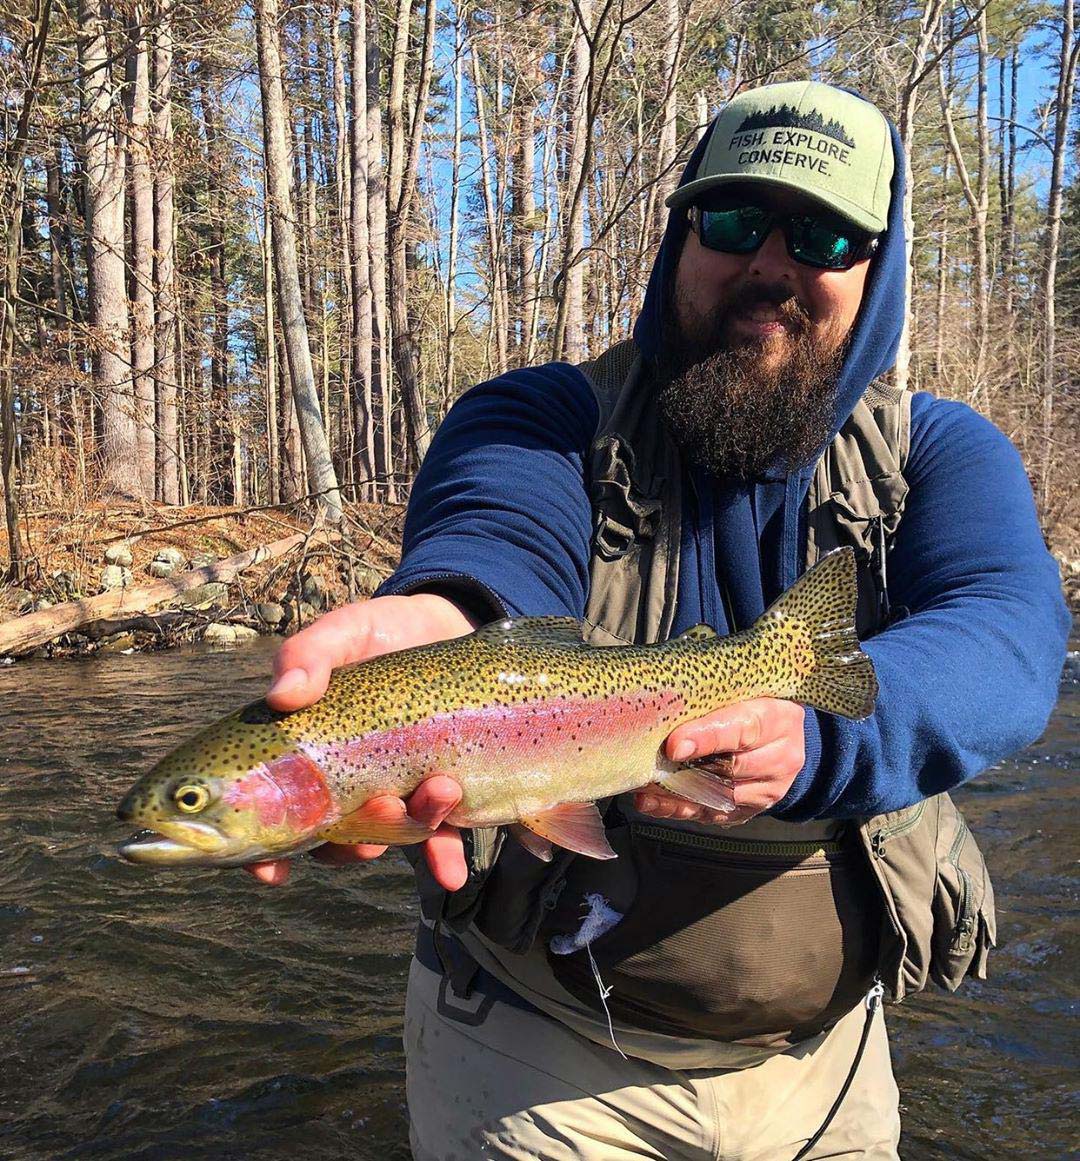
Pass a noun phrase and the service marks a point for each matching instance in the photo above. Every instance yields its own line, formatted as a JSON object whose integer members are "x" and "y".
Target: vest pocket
{"x": 963, "y": 906}
{"x": 735, "y": 940}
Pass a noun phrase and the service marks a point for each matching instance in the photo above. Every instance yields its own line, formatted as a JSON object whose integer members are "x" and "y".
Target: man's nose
{"x": 771, "y": 258}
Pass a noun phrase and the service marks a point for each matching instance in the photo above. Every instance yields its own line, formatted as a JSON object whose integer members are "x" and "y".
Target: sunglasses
{"x": 824, "y": 242}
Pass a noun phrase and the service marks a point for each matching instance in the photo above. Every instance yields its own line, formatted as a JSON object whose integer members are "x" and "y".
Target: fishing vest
{"x": 767, "y": 932}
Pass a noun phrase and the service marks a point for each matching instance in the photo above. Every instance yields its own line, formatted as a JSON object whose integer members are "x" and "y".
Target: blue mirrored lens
{"x": 734, "y": 231}
{"x": 821, "y": 244}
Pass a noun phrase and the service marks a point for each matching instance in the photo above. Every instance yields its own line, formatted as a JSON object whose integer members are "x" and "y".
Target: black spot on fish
{"x": 259, "y": 714}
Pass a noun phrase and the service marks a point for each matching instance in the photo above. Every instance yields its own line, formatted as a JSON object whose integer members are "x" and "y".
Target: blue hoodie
{"x": 499, "y": 519}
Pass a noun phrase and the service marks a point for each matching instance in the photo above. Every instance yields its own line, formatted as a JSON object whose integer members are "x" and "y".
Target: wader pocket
{"x": 964, "y": 919}
{"x": 750, "y": 941}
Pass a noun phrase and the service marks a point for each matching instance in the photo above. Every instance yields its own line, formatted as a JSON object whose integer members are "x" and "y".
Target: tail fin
{"x": 820, "y": 605}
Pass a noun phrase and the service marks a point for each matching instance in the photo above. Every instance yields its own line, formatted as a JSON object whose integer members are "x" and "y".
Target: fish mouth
{"x": 193, "y": 843}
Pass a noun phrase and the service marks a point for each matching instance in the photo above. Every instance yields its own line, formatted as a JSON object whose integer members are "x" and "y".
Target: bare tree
{"x": 103, "y": 150}
{"x": 568, "y": 341}
{"x": 165, "y": 364}
{"x": 929, "y": 23}
{"x": 401, "y": 188}
{"x": 141, "y": 182}
{"x": 977, "y": 196}
{"x": 322, "y": 479}
{"x": 360, "y": 246}
{"x": 13, "y": 179}
{"x": 1069, "y": 47}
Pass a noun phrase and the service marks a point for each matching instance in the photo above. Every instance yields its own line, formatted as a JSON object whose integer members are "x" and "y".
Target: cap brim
{"x": 685, "y": 194}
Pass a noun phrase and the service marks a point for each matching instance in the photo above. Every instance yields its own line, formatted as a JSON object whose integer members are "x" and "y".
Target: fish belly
{"x": 519, "y": 761}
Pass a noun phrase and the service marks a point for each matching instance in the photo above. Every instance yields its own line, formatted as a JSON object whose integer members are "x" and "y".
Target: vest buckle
{"x": 611, "y": 539}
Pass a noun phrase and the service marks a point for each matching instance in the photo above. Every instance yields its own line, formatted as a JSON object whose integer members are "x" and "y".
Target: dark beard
{"x": 734, "y": 414}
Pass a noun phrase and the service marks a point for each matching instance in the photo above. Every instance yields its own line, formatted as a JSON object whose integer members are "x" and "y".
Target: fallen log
{"x": 21, "y": 634}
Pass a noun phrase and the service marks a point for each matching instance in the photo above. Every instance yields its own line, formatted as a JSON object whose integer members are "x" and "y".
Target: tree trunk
{"x": 381, "y": 364}
{"x": 928, "y": 26}
{"x": 322, "y": 479}
{"x": 527, "y": 251}
{"x": 1066, "y": 84}
{"x": 166, "y": 370}
{"x": 273, "y": 471}
{"x": 496, "y": 284}
{"x": 142, "y": 250}
{"x": 343, "y": 191}
{"x": 568, "y": 341}
{"x": 1010, "y": 181}
{"x": 103, "y": 162}
{"x": 401, "y": 187}
{"x": 667, "y": 147}
{"x": 942, "y": 272}
{"x": 977, "y": 197}
{"x": 222, "y": 436}
{"x": 362, "y": 309}
{"x": 449, "y": 369}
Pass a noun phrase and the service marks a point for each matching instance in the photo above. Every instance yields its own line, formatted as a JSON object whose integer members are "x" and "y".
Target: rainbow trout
{"x": 535, "y": 724}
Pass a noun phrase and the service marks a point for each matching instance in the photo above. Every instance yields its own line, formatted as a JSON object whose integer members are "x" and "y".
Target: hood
{"x": 874, "y": 341}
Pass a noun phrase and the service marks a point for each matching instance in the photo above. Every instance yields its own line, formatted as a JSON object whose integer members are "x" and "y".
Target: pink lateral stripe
{"x": 558, "y": 721}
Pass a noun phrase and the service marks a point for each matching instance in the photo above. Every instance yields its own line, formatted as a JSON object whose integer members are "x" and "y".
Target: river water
{"x": 160, "y": 1015}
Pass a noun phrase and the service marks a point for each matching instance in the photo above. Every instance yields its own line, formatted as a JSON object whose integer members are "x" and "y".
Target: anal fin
{"x": 382, "y": 819}
{"x": 708, "y": 784}
{"x": 574, "y": 825}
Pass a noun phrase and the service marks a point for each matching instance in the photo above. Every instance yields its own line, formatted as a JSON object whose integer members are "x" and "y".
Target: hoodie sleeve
{"x": 971, "y": 675}
{"x": 499, "y": 516}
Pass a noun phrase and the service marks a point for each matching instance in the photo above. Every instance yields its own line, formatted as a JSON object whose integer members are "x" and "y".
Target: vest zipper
{"x": 880, "y": 838}
{"x": 965, "y": 921}
{"x": 719, "y": 845}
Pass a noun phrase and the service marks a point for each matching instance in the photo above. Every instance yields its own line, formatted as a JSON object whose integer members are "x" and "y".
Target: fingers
{"x": 745, "y": 726}
{"x": 660, "y": 803}
{"x": 305, "y": 661}
{"x": 345, "y": 854}
{"x": 272, "y": 874}
{"x": 434, "y": 800}
{"x": 776, "y": 759}
{"x": 445, "y": 854}
{"x": 431, "y": 803}
{"x": 354, "y": 633}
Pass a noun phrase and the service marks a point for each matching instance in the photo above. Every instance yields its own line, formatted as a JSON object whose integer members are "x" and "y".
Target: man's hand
{"x": 359, "y": 632}
{"x": 765, "y": 741}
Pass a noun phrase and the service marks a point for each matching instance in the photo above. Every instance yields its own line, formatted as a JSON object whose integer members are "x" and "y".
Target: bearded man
{"x": 713, "y": 992}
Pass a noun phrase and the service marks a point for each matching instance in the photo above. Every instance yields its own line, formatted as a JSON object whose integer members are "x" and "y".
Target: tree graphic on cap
{"x": 789, "y": 117}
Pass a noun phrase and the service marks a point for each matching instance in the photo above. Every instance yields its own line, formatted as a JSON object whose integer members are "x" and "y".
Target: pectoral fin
{"x": 382, "y": 819}
{"x": 574, "y": 825}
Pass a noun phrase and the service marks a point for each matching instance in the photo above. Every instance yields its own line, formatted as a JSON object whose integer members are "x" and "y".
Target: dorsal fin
{"x": 700, "y": 632}
{"x": 533, "y": 631}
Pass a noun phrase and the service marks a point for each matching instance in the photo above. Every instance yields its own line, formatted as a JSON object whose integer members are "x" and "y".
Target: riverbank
{"x": 238, "y": 574}
{"x": 124, "y": 577}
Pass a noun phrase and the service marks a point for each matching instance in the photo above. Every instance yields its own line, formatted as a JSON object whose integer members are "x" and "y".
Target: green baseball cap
{"x": 820, "y": 141}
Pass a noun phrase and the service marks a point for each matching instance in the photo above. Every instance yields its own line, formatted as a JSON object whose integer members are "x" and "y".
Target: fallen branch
{"x": 22, "y": 634}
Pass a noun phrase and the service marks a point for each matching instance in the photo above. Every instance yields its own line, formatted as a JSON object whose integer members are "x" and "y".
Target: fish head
{"x": 240, "y": 791}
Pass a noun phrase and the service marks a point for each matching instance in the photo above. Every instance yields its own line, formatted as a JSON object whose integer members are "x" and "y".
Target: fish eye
{"x": 191, "y": 799}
